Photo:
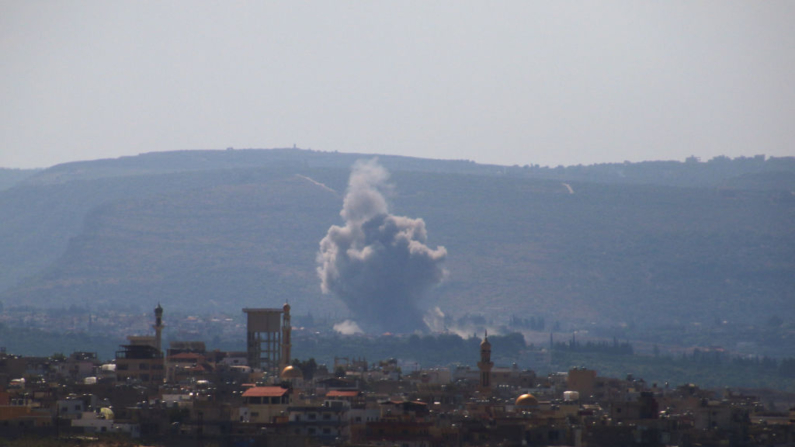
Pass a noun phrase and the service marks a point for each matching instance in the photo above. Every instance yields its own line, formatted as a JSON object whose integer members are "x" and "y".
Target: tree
{"x": 307, "y": 367}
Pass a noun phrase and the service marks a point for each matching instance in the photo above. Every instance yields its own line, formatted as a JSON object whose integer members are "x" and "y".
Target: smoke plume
{"x": 378, "y": 263}
{"x": 348, "y": 327}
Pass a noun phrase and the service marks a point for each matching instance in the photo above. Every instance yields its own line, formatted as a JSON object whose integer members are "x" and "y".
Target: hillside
{"x": 238, "y": 245}
{"x": 11, "y": 177}
{"x": 214, "y": 160}
{"x": 132, "y": 232}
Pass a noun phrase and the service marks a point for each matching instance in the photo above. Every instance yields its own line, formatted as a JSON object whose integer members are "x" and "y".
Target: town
{"x": 187, "y": 395}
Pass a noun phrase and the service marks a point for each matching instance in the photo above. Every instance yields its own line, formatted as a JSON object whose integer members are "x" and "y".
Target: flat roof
{"x": 343, "y": 393}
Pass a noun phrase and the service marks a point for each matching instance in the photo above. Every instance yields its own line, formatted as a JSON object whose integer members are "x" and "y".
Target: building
{"x": 158, "y": 327}
{"x": 485, "y": 365}
{"x": 142, "y": 359}
{"x": 140, "y": 363}
{"x": 581, "y": 380}
{"x": 265, "y": 404}
{"x": 325, "y": 422}
{"x": 268, "y": 339}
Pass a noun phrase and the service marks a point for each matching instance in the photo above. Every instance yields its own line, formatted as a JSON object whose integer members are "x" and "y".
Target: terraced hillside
{"x": 237, "y": 236}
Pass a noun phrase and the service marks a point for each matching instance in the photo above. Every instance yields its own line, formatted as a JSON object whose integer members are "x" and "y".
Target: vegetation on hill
{"x": 11, "y": 177}
{"x": 426, "y": 350}
{"x": 712, "y": 369}
{"x": 627, "y": 245}
{"x": 39, "y": 343}
{"x": 707, "y": 370}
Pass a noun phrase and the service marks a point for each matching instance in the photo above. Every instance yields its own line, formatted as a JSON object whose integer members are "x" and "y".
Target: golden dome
{"x": 526, "y": 400}
{"x": 290, "y": 372}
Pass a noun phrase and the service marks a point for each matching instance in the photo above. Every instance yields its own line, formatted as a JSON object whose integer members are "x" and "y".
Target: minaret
{"x": 286, "y": 336}
{"x": 158, "y": 326}
{"x": 484, "y": 365}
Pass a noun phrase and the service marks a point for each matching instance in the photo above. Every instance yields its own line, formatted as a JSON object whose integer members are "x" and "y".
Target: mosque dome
{"x": 290, "y": 372}
{"x": 526, "y": 400}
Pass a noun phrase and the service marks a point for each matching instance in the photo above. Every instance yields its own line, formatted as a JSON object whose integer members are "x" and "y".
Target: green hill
{"x": 11, "y": 177}
{"x": 206, "y": 230}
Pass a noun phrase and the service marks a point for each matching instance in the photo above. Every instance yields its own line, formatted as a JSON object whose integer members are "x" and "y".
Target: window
{"x": 143, "y": 366}
{"x": 326, "y": 431}
{"x": 326, "y": 417}
{"x": 312, "y": 416}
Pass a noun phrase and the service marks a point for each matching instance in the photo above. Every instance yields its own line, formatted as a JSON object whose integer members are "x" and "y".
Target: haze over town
{"x": 370, "y": 223}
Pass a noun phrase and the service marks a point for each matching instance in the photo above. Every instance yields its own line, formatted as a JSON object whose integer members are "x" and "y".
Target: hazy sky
{"x": 508, "y": 82}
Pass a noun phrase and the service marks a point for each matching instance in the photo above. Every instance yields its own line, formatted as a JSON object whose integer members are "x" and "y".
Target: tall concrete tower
{"x": 158, "y": 326}
{"x": 265, "y": 347}
{"x": 484, "y": 365}
{"x": 286, "y": 345}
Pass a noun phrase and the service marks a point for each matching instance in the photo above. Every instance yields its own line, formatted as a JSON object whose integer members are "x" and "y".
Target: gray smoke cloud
{"x": 378, "y": 263}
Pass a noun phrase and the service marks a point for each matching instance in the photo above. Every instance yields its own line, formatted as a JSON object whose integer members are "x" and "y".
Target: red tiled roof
{"x": 265, "y": 391}
{"x": 342, "y": 393}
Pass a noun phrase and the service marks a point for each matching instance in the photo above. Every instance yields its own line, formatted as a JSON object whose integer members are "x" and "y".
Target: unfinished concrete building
{"x": 268, "y": 338}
